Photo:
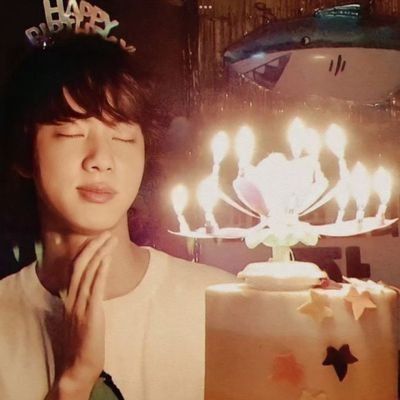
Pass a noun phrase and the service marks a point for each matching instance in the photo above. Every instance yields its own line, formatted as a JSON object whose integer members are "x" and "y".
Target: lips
{"x": 96, "y": 193}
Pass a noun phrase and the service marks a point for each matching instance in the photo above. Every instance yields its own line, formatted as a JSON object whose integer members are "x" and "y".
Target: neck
{"x": 128, "y": 266}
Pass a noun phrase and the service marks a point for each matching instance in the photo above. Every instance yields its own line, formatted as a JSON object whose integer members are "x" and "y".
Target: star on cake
{"x": 286, "y": 368}
{"x": 316, "y": 307}
{"x": 339, "y": 359}
{"x": 359, "y": 302}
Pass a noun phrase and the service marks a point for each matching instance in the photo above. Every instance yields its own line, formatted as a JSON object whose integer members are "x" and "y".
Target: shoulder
{"x": 190, "y": 272}
{"x": 10, "y": 286}
{"x": 15, "y": 305}
{"x": 17, "y": 290}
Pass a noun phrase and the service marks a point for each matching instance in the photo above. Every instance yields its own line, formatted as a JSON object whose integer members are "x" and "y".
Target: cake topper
{"x": 279, "y": 191}
{"x": 79, "y": 17}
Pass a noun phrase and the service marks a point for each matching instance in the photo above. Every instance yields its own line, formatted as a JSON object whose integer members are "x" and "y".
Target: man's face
{"x": 88, "y": 174}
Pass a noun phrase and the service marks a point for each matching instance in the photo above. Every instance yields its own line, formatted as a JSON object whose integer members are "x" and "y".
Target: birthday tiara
{"x": 79, "y": 17}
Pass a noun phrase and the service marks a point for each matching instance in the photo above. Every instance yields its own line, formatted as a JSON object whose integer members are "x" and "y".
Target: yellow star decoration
{"x": 316, "y": 307}
{"x": 286, "y": 368}
{"x": 309, "y": 396}
{"x": 359, "y": 302}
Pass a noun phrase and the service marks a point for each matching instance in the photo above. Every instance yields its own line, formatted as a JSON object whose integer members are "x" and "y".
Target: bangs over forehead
{"x": 97, "y": 76}
{"x": 117, "y": 101}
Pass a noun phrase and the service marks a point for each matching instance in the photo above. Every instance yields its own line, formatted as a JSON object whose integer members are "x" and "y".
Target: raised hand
{"x": 82, "y": 357}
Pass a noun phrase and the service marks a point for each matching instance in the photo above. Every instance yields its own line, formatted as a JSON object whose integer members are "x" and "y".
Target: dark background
{"x": 158, "y": 29}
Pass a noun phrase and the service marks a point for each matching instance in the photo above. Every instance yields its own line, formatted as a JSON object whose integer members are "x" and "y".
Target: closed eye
{"x": 70, "y": 136}
{"x": 124, "y": 140}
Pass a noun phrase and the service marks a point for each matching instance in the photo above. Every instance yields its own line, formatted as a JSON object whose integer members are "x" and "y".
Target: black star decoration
{"x": 339, "y": 359}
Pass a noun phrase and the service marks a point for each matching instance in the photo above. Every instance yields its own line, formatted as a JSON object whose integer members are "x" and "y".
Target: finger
{"x": 99, "y": 282}
{"x": 88, "y": 276}
{"x": 80, "y": 264}
{"x": 83, "y": 258}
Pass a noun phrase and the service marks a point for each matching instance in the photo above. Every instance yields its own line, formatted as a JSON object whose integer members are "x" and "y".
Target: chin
{"x": 94, "y": 225}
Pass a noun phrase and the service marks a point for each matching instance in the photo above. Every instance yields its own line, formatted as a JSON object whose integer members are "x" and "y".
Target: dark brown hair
{"x": 103, "y": 79}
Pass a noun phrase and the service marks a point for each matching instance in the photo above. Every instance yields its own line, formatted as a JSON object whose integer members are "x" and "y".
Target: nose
{"x": 98, "y": 157}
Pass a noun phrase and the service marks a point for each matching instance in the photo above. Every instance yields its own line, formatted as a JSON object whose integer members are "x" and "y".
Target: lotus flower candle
{"x": 244, "y": 146}
{"x": 360, "y": 184}
{"x": 296, "y": 137}
{"x": 179, "y": 200}
{"x": 279, "y": 191}
{"x": 382, "y": 184}
{"x": 208, "y": 194}
{"x": 336, "y": 141}
{"x": 219, "y": 148}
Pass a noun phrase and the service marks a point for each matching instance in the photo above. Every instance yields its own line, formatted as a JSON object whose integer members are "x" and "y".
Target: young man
{"x": 76, "y": 130}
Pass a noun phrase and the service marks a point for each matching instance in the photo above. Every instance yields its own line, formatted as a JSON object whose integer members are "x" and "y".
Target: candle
{"x": 208, "y": 195}
{"x": 382, "y": 184}
{"x": 336, "y": 141}
{"x": 296, "y": 137}
{"x": 219, "y": 147}
{"x": 313, "y": 147}
{"x": 360, "y": 187}
{"x": 279, "y": 191}
{"x": 342, "y": 198}
{"x": 244, "y": 147}
{"x": 179, "y": 197}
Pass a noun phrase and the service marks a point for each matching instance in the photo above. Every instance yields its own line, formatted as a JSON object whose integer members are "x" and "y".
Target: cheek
{"x": 52, "y": 173}
{"x": 134, "y": 162}
{"x": 134, "y": 171}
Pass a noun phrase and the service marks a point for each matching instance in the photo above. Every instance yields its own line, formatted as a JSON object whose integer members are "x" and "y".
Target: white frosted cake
{"x": 287, "y": 333}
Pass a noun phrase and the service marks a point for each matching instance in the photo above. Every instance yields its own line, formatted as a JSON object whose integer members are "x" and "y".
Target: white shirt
{"x": 154, "y": 342}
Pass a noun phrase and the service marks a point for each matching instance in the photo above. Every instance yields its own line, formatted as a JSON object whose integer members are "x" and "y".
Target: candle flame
{"x": 219, "y": 146}
{"x": 296, "y": 137}
{"x": 336, "y": 140}
{"x": 382, "y": 183}
{"x": 244, "y": 145}
{"x": 179, "y": 196}
{"x": 208, "y": 194}
{"x": 360, "y": 185}
{"x": 312, "y": 142}
{"x": 342, "y": 195}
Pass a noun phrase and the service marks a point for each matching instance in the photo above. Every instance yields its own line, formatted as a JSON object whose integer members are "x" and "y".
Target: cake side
{"x": 273, "y": 344}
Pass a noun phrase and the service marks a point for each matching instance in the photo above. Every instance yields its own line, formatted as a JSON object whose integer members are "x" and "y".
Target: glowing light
{"x": 244, "y": 145}
{"x": 280, "y": 191}
{"x": 336, "y": 140}
{"x": 360, "y": 187}
{"x": 207, "y": 194}
{"x": 342, "y": 195}
{"x": 219, "y": 146}
{"x": 382, "y": 184}
{"x": 312, "y": 143}
{"x": 179, "y": 196}
{"x": 296, "y": 137}
{"x": 342, "y": 198}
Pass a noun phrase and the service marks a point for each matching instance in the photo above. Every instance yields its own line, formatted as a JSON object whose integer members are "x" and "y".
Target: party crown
{"x": 81, "y": 17}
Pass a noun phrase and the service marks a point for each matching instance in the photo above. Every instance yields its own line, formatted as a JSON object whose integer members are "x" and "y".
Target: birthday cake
{"x": 289, "y": 333}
